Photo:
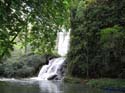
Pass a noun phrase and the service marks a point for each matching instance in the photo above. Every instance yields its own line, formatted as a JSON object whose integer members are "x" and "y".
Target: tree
{"x": 45, "y": 17}
{"x": 97, "y": 27}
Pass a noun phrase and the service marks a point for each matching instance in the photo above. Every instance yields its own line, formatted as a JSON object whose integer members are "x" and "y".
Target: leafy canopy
{"x": 33, "y": 22}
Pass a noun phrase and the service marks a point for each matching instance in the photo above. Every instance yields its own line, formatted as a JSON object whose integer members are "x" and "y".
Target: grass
{"x": 72, "y": 80}
{"x": 104, "y": 83}
{"x": 98, "y": 83}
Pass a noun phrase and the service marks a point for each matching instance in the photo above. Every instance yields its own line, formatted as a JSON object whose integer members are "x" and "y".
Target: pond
{"x": 44, "y": 86}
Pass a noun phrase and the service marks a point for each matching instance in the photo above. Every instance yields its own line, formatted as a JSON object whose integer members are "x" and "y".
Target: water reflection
{"x": 50, "y": 87}
{"x": 43, "y": 86}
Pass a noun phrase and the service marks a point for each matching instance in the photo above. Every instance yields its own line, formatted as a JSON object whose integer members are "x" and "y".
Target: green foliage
{"x": 97, "y": 47}
{"x": 72, "y": 80}
{"x": 103, "y": 83}
{"x": 113, "y": 49}
{"x": 110, "y": 37}
{"x": 32, "y": 22}
{"x": 107, "y": 83}
{"x": 26, "y": 66}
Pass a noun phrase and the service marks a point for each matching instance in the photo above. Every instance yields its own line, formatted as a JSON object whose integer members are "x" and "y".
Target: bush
{"x": 27, "y": 66}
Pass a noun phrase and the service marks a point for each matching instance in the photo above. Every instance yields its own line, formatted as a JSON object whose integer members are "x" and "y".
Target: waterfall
{"x": 55, "y": 68}
{"x": 62, "y": 44}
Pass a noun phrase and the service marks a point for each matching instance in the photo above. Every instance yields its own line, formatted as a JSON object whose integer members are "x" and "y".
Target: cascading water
{"x": 55, "y": 68}
{"x": 62, "y": 43}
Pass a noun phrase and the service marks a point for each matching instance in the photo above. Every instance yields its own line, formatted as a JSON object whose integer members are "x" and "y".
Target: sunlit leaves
{"x": 110, "y": 37}
{"x": 45, "y": 16}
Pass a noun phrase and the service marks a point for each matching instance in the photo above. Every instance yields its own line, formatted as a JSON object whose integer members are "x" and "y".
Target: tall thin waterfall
{"x": 55, "y": 68}
{"x": 62, "y": 45}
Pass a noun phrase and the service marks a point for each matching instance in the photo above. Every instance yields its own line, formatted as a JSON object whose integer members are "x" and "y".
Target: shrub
{"x": 27, "y": 66}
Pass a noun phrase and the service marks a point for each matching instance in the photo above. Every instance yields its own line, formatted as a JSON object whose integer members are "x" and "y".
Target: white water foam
{"x": 62, "y": 45}
{"x": 53, "y": 70}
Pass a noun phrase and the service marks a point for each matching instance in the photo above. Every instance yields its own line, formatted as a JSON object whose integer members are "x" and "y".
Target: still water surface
{"x": 42, "y": 86}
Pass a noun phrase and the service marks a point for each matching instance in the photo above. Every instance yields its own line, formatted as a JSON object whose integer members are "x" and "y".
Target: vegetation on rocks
{"x": 26, "y": 66}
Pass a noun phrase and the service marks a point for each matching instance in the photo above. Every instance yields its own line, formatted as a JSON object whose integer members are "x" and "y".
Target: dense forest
{"x": 97, "y": 46}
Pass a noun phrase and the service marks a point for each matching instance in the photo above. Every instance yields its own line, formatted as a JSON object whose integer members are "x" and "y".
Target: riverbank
{"x": 104, "y": 83}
